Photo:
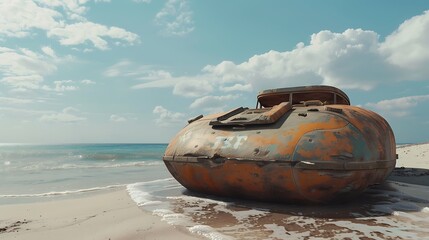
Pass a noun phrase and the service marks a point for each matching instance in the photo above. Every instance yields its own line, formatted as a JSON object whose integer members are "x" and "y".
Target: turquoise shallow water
{"x": 36, "y": 171}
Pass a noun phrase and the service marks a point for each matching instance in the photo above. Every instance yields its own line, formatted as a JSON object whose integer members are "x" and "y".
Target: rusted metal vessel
{"x": 301, "y": 144}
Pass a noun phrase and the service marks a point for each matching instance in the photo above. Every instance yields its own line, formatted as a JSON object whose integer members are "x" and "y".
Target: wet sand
{"x": 111, "y": 215}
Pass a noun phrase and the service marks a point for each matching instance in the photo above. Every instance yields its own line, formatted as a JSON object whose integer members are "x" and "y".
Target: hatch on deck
{"x": 297, "y": 95}
{"x": 245, "y": 116}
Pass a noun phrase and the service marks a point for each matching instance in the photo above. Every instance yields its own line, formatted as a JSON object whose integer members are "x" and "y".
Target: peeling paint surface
{"x": 311, "y": 153}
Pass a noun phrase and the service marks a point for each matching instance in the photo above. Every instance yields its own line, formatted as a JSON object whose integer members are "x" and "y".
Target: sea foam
{"x": 60, "y": 193}
{"x": 209, "y": 232}
{"x": 383, "y": 212}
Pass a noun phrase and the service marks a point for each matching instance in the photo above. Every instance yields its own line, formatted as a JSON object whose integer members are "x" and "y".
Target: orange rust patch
{"x": 332, "y": 123}
{"x": 317, "y": 186}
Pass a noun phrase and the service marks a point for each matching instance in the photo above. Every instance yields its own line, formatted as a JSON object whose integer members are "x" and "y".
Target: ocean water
{"x": 36, "y": 172}
{"x": 28, "y": 173}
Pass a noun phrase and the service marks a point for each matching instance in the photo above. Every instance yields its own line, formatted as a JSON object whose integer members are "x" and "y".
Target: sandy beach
{"x": 412, "y": 165}
{"x": 111, "y": 215}
{"x": 162, "y": 209}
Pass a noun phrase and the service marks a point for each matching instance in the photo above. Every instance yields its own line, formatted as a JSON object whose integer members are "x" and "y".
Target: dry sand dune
{"x": 412, "y": 165}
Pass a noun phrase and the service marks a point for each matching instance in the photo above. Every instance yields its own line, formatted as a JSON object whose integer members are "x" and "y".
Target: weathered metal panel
{"x": 309, "y": 154}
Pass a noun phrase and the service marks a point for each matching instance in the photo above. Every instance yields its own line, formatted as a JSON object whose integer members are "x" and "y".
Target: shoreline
{"x": 106, "y": 215}
{"x": 113, "y": 213}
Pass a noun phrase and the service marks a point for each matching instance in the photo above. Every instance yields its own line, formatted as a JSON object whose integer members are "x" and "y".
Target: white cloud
{"x": 70, "y": 6}
{"x": 119, "y": 69}
{"x": 68, "y": 115}
{"x": 24, "y": 70}
{"x": 150, "y": 74}
{"x": 161, "y": 83}
{"x": 213, "y": 103}
{"x": 27, "y": 112}
{"x": 64, "y": 85}
{"x": 24, "y": 62}
{"x": 13, "y": 101}
{"x": 23, "y": 82}
{"x": 87, "y": 82}
{"x": 49, "y": 51}
{"x": 34, "y": 82}
{"x": 82, "y": 32}
{"x": 192, "y": 88}
{"x": 166, "y": 117}
{"x": 347, "y": 60}
{"x": 20, "y": 16}
{"x": 59, "y": 19}
{"x": 158, "y": 78}
{"x": 353, "y": 59}
{"x": 407, "y": 47}
{"x": 398, "y": 107}
{"x": 126, "y": 68}
{"x": 117, "y": 118}
{"x": 175, "y": 18}
{"x": 237, "y": 87}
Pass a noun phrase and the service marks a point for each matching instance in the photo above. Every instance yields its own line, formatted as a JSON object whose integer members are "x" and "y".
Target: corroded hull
{"x": 309, "y": 154}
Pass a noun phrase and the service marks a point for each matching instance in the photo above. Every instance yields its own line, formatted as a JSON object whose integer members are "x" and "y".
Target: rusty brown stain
{"x": 333, "y": 123}
{"x": 262, "y": 165}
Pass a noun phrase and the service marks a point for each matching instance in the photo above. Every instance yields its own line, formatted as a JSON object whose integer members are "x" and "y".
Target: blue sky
{"x": 90, "y": 71}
